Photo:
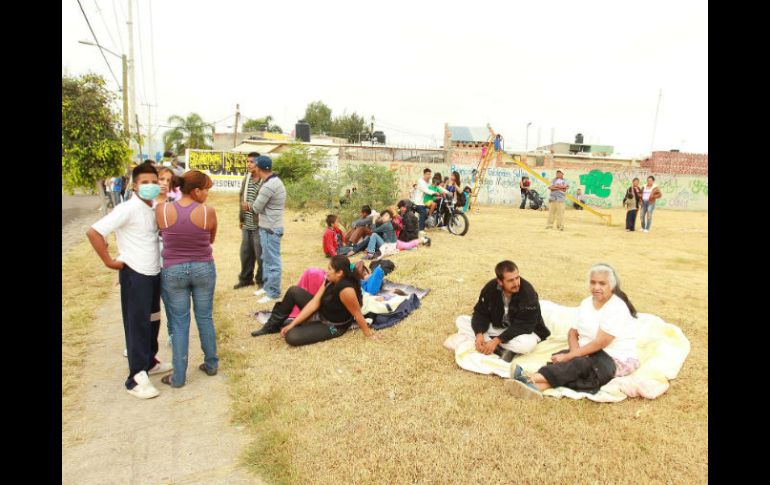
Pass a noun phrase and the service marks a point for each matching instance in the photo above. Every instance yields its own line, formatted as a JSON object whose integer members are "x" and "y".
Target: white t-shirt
{"x": 137, "y": 233}
{"x": 646, "y": 193}
{"x": 613, "y": 318}
{"x": 422, "y": 188}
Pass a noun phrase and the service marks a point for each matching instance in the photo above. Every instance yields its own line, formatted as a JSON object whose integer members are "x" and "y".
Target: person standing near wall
{"x": 270, "y": 204}
{"x": 632, "y": 201}
{"x": 524, "y": 187}
{"x": 650, "y": 194}
{"x": 420, "y": 192}
{"x": 558, "y": 188}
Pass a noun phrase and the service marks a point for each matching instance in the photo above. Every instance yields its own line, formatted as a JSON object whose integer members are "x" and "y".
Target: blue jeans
{"x": 423, "y": 211}
{"x": 178, "y": 283}
{"x": 647, "y": 209}
{"x": 375, "y": 241}
{"x": 271, "y": 261}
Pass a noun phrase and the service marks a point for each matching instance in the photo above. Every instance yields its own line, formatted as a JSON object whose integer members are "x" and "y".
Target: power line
{"x": 97, "y": 43}
{"x": 99, "y": 11}
{"x": 117, "y": 24}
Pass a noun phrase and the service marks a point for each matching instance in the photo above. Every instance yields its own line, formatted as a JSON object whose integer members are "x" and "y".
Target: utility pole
{"x": 130, "y": 23}
{"x": 655, "y": 124}
{"x": 138, "y": 137}
{"x": 149, "y": 128}
{"x": 237, "y": 117}
{"x": 126, "y": 123}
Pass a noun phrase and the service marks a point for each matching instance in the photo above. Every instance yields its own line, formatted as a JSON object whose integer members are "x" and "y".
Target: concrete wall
{"x": 604, "y": 187}
{"x": 604, "y": 182}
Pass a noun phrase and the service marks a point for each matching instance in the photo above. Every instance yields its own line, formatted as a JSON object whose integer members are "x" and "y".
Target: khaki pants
{"x": 556, "y": 210}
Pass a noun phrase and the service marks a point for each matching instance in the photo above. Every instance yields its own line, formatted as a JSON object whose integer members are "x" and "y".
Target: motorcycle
{"x": 446, "y": 214}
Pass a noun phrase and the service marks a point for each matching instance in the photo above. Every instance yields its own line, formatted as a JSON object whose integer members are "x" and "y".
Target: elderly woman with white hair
{"x": 602, "y": 343}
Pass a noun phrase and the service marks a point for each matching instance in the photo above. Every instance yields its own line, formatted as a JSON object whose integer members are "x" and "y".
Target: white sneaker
{"x": 143, "y": 388}
{"x": 260, "y": 292}
{"x": 125, "y": 352}
{"x": 161, "y": 368}
{"x": 265, "y": 299}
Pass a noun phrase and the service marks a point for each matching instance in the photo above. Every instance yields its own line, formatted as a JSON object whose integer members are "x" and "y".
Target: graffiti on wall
{"x": 597, "y": 183}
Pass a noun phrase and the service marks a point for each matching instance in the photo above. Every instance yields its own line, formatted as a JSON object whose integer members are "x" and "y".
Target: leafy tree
{"x": 256, "y": 125}
{"x": 299, "y": 161}
{"x": 190, "y": 132}
{"x": 92, "y": 144}
{"x": 376, "y": 186}
{"x": 353, "y": 127}
{"x": 319, "y": 117}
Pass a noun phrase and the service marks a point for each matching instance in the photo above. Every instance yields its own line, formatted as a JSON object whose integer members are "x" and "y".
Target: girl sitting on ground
{"x": 326, "y": 315}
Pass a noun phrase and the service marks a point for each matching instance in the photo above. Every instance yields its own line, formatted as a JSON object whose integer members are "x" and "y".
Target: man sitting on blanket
{"x": 506, "y": 319}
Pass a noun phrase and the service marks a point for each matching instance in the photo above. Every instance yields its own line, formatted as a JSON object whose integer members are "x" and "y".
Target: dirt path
{"x": 180, "y": 437}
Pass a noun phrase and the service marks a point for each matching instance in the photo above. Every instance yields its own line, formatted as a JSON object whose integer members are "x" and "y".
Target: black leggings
{"x": 585, "y": 374}
{"x": 310, "y": 331}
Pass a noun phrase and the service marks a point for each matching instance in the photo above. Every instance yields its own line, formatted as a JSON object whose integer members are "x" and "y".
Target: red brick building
{"x": 677, "y": 163}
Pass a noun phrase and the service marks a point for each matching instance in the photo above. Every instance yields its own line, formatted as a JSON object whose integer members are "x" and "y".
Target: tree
{"x": 352, "y": 127}
{"x": 257, "y": 124}
{"x": 92, "y": 144}
{"x": 190, "y": 132}
{"x": 299, "y": 161}
{"x": 319, "y": 117}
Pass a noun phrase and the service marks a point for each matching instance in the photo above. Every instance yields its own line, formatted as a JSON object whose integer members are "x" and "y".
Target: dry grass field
{"x": 399, "y": 410}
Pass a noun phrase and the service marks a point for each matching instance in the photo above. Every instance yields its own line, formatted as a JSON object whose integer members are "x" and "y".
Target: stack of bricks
{"x": 677, "y": 163}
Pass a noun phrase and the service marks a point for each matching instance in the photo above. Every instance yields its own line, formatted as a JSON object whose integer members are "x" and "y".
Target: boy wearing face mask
{"x": 138, "y": 263}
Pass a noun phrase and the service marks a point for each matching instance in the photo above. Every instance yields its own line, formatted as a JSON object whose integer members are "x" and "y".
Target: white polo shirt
{"x": 613, "y": 318}
{"x": 137, "y": 232}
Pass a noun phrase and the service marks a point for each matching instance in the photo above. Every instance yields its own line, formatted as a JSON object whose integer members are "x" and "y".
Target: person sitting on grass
{"x": 360, "y": 228}
{"x": 326, "y": 315}
{"x": 506, "y": 320}
{"x": 602, "y": 343}
{"x": 333, "y": 238}
{"x": 383, "y": 236}
{"x": 409, "y": 236}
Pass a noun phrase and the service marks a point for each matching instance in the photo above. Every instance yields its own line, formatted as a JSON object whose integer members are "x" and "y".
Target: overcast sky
{"x": 594, "y": 67}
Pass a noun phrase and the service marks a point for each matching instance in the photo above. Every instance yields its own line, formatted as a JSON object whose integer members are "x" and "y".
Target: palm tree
{"x": 190, "y": 132}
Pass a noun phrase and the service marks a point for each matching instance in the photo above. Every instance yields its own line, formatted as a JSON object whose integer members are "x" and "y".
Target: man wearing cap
{"x": 269, "y": 204}
{"x": 251, "y": 249}
{"x": 558, "y": 188}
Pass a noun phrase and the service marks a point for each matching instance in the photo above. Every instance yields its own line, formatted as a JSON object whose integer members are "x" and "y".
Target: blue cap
{"x": 264, "y": 162}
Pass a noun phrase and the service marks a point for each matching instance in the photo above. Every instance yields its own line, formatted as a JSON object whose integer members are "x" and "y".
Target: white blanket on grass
{"x": 662, "y": 350}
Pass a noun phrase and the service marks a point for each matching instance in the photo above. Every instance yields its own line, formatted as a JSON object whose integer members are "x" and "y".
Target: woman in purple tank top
{"x": 188, "y": 228}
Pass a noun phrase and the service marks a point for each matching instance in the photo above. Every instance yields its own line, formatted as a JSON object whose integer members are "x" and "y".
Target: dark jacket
{"x": 409, "y": 224}
{"x": 523, "y": 312}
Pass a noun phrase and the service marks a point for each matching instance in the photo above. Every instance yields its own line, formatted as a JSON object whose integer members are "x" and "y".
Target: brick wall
{"x": 677, "y": 163}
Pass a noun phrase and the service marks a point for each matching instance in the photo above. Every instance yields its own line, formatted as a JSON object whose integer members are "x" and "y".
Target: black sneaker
{"x": 265, "y": 330}
{"x": 506, "y": 355}
{"x": 242, "y": 284}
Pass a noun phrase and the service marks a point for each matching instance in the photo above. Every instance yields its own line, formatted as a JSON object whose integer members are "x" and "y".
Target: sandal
{"x": 210, "y": 372}
{"x": 167, "y": 380}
